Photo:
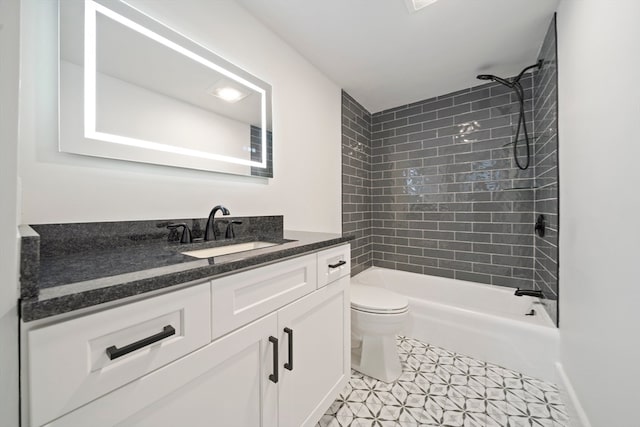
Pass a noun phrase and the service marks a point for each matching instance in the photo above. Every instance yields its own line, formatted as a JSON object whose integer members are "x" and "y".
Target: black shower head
{"x": 511, "y": 82}
{"x": 495, "y": 79}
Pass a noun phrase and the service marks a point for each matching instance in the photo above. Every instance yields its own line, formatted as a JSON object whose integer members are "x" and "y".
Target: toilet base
{"x": 377, "y": 356}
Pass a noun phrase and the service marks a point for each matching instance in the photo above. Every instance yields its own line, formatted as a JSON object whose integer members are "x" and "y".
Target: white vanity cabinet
{"x": 278, "y": 356}
{"x": 68, "y": 365}
{"x": 225, "y": 383}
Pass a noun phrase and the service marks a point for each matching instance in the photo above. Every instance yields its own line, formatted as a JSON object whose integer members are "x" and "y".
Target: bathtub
{"x": 483, "y": 321}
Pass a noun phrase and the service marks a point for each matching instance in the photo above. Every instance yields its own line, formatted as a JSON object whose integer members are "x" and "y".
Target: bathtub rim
{"x": 537, "y": 303}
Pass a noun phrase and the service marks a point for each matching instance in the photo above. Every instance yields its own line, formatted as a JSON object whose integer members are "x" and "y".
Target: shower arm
{"x": 504, "y": 81}
{"x": 519, "y": 76}
{"x": 513, "y": 82}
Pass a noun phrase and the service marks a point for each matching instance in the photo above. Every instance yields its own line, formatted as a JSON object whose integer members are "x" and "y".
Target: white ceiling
{"x": 385, "y": 56}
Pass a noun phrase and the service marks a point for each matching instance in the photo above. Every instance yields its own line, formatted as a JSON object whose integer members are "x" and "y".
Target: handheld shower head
{"x": 495, "y": 79}
{"x": 514, "y": 84}
{"x": 511, "y": 82}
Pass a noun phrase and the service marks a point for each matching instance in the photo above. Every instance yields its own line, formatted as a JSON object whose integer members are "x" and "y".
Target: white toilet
{"x": 377, "y": 315}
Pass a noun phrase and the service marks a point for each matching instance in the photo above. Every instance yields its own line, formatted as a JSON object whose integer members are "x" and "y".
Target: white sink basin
{"x": 230, "y": 249}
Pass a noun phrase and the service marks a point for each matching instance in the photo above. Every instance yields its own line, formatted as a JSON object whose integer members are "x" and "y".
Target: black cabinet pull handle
{"x": 289, "y": 364}
{"x": 274, "y": 377}
{"x": 114, "y": 352}
{"x": 338, "y": 264}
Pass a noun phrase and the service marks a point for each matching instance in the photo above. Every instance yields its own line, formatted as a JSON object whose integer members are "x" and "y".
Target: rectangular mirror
{"x": 133, "y": 89}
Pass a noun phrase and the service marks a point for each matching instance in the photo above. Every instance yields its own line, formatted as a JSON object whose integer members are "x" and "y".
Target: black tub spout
{"x": 530, "y": 293}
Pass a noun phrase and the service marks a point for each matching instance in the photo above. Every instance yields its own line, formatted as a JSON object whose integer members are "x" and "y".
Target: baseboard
{"x": 577, "y": 415}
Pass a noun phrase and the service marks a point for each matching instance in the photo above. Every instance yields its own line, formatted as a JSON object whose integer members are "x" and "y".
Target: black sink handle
{"x": 186, "y": 233}
{"x": 231, "y": 233}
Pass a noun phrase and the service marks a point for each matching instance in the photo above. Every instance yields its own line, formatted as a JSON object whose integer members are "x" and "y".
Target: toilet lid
{"x": 373, "y": 299}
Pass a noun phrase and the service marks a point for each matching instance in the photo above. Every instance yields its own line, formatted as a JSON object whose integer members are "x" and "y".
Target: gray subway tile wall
{"x": 356, "y": 181}
{"x": 546, "y": 170}
{"x": 432, "y": 187}
{"x": 446, "y": 196}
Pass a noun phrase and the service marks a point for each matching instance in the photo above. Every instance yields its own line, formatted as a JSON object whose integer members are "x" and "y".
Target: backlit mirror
{"x": 131, "y": 88}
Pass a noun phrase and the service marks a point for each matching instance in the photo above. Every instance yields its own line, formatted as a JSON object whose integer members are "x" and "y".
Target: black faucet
{"x": 531, "y": 293}
{"x": 210, "y": 233}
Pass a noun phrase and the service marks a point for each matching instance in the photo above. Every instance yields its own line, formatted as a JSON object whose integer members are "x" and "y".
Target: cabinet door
{"x": 320, "y": 324}
{"x": 225, "y": 383}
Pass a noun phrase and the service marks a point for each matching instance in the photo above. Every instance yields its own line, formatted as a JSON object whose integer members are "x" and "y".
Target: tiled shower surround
{"x": 446, "y": 197}
{"x": 356, "y": 181}
{"x": 443, "y": 188}
{"x": 546, "y": 169}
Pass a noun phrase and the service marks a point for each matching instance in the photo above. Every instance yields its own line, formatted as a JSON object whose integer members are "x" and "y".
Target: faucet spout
{"x": 210, "y": 231}
{"x": 531, "y": 293}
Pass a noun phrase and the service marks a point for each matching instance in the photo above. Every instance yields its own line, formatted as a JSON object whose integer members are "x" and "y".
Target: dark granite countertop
{"x": 71, "y": 280}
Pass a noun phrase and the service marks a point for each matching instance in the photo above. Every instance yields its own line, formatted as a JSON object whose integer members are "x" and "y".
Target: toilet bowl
{"x": 377, "y": 315}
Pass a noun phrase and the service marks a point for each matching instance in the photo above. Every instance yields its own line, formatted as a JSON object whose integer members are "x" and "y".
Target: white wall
{"x": 60, "y": 187}
{"x": 599, "y": 148}
{"x": 9, "y": 60}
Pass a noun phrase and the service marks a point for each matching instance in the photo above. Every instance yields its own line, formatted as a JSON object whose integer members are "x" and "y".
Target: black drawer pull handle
{"x": 289, "y": 364}
{"x": 114, "y": 352}
{"x": 338, "y": 264}
{"x": 274, "y": 377}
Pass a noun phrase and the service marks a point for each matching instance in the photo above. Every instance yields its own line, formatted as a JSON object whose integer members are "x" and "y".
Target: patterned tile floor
{"x": 442, "y": 388}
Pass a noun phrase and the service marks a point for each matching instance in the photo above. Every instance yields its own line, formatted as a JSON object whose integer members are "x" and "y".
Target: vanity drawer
{"x": 241, "y": 298}
{"x": 73, "y": 362}
{"x": 333, "y": 264}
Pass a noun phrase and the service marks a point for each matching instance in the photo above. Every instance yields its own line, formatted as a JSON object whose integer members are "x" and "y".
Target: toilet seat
{"x": 371, "y": 299}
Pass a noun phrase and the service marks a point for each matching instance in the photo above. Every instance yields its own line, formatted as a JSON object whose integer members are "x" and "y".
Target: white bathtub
{"x": 483, "y": 321}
